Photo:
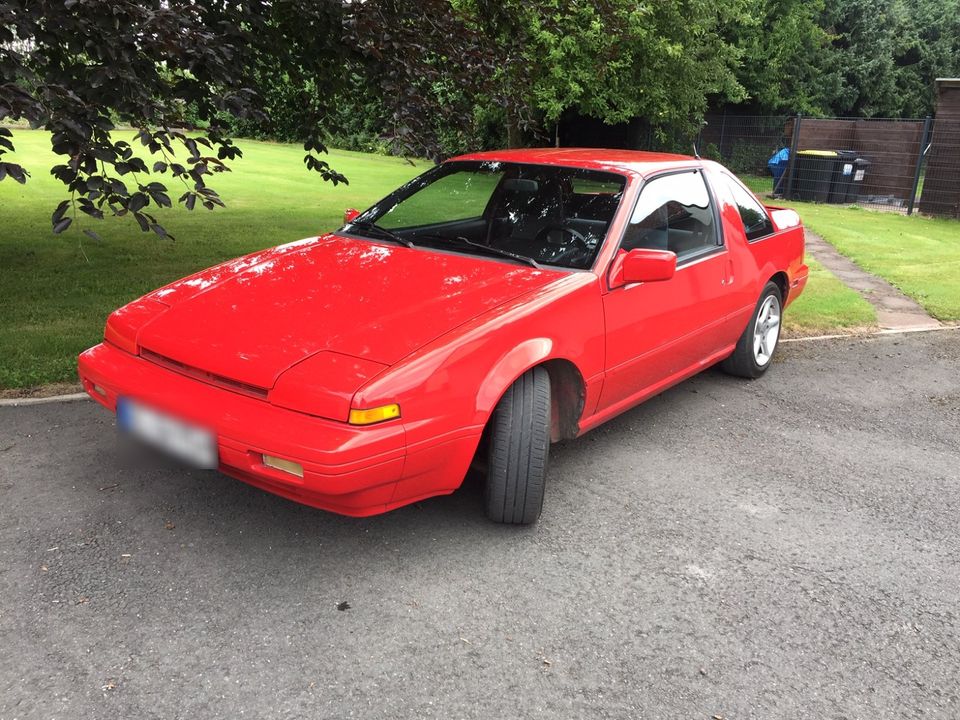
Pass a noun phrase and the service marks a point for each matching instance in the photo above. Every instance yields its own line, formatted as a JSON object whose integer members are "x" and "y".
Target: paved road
{"x": 782, "y": 548}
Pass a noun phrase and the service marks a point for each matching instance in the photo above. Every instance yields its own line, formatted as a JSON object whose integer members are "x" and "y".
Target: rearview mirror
{"x": 644, "y": 265}
{"x": 521, "y": 185}
{"x": 349, "y": 215}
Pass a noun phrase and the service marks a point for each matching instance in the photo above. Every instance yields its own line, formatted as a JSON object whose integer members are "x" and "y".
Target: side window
{"x": 673, "y": 213}
{"x": 756, "y": 223}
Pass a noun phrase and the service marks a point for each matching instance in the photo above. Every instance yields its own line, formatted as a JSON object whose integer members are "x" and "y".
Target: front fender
{"x": 508, "y": 368}
{"x": 451, "y": 386}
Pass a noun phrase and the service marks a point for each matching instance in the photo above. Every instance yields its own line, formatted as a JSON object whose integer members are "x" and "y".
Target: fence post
{"x": 794, "y": 141}
{"x": 723, "y": 134}
{"x": 924, "y": 139}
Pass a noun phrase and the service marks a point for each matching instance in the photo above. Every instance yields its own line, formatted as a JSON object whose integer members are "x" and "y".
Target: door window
{"x": 674, "y": 213}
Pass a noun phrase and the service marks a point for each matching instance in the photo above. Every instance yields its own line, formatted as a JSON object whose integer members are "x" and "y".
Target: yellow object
{"x": 285, "y": 465}
{"x": 374, "y": 415}
{"x": 819, "y": 153}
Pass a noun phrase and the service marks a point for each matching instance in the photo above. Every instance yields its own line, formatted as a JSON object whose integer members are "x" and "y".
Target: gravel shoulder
{"x": 779, "y": 548}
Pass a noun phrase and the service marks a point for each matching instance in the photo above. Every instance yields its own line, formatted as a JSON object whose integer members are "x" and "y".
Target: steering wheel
{"x": 578, "y": 237}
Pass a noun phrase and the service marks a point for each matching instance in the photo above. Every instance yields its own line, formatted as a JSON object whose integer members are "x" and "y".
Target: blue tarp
{"x": 778, "y": 164}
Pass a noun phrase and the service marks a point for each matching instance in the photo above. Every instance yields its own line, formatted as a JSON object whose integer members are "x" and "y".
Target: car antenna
{"x": 696, "y": 142}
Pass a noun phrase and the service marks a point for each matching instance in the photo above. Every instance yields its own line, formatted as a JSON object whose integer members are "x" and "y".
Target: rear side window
{"x": 756, "y": 223}
{"x": 674, "y": 213}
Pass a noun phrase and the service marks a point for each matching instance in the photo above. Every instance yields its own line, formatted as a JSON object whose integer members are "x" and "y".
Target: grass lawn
{"x": 919, "y": 255}
{"x": 827, "y": 305}
{"x": 53, "y": 301}
{"x": 56, "y": 291}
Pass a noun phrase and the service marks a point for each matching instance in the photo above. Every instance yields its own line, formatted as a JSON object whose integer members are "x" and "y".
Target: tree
{"x": 612, "y": 60}
{"x": 887, "y": 54}
{"x": 786, "y": 62}
{"x": 79, "y": 67}
{"x": 930, "y": 49}
{"x": 868, "y": 35}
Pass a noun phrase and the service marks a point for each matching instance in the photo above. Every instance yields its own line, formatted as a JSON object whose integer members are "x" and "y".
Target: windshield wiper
{"x": 381, "y": 232}
{"x": 487, "y": 248}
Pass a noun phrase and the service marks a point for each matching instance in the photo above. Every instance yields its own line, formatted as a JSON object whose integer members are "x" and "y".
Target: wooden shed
{"x": 941, "y": 184}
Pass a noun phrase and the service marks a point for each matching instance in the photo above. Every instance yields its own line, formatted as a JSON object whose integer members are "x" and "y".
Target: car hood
{"x": 252, "y": 318}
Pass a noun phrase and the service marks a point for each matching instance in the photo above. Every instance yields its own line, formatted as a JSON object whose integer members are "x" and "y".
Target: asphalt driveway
{"x": 781, "y": 548}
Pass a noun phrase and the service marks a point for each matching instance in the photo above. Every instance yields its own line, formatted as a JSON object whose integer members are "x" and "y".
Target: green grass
{"x": 919, "y": 255}
{"x": 759, "y": 184}
{"x": 53, "y": 300}
{"x": 827, "y": 305}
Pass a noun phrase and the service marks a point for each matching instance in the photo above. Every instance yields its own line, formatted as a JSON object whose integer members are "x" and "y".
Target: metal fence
{"x": 893, "y": 164}
{"x": 898, "y": 165}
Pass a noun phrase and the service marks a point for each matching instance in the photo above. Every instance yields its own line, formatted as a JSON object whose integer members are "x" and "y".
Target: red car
{"x": 497, "y": 303}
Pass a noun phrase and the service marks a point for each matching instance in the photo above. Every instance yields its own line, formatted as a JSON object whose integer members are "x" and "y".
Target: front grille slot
{"x": 204, "y": 376}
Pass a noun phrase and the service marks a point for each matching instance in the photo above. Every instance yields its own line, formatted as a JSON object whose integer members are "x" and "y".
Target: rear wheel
{"x": 755, "y": 348}
{"x": 518, "y": 451}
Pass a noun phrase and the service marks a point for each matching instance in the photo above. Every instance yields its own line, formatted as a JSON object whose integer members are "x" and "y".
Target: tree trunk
{"x": 514, "y": 133}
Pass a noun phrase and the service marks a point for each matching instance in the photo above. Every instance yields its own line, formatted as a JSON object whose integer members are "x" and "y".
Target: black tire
{"x": 746, "y": 361}
{"x": 518, "y": 451}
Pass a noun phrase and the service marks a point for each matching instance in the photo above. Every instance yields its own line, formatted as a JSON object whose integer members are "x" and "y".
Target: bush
{"x": 750, "y": 157}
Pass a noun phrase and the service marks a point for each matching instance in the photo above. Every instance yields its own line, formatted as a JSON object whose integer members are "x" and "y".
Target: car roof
{"x": 623, "y": 161}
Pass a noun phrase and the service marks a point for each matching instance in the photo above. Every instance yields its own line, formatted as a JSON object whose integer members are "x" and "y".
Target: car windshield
{"x": 537, "y": 214}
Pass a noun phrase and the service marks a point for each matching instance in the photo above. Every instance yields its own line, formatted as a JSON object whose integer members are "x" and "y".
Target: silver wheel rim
{"x": 766, "y": 331}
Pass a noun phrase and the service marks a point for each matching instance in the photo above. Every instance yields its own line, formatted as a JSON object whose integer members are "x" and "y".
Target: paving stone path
{"x": 895, "y": 311}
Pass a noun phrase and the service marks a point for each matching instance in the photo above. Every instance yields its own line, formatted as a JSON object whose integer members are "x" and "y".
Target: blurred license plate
{"x": 188, "y": 443}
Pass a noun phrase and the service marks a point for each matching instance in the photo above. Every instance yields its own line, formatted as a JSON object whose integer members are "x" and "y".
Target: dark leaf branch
{"x": 427, "y": 63}
{"x": 85, "y": 64}
{"x": 86, "y": 174}
{"x": 79, "y": 67}
{"x": 12, "y": 170}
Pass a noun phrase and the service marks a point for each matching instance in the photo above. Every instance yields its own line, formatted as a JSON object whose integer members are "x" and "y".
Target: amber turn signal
{"x": 374, "y": 415}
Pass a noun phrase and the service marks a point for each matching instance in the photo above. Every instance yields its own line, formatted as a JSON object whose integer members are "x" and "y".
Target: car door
{"x": 659, "y": 331}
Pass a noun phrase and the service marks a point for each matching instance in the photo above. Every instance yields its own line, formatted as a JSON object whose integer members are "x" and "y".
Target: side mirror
{"x": 643, "y": 265}
{"x": 349, "y": 215}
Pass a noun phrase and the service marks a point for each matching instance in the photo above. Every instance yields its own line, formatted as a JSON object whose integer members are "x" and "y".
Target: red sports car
{"x": 497, "y": 303}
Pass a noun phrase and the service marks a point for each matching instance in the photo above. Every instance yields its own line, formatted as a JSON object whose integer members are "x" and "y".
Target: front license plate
{"x": 188, "y": 443}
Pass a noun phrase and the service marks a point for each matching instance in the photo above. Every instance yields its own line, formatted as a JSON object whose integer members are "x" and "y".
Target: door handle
{"x": 727, "y": 273}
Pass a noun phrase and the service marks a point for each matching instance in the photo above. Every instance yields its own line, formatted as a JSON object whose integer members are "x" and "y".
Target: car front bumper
{"x": 346, "y": 469}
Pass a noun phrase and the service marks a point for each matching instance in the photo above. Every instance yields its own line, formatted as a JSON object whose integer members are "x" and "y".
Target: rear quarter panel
{"x": 756, "y": 262}
{"x": 791, "y": 251}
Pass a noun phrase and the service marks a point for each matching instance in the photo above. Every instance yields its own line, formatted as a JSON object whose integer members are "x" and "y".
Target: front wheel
{"x": 755, "y": 348}
{"x": 519, "y": 446}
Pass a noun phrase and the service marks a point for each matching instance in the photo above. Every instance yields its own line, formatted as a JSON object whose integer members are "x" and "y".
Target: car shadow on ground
{"x": 241, "y": 516}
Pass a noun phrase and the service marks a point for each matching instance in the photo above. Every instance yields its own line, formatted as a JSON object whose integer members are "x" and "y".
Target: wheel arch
{"x": 567, "y": 386}
{"x": 568, "y": 394}
{"x": 783, "y": 282}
